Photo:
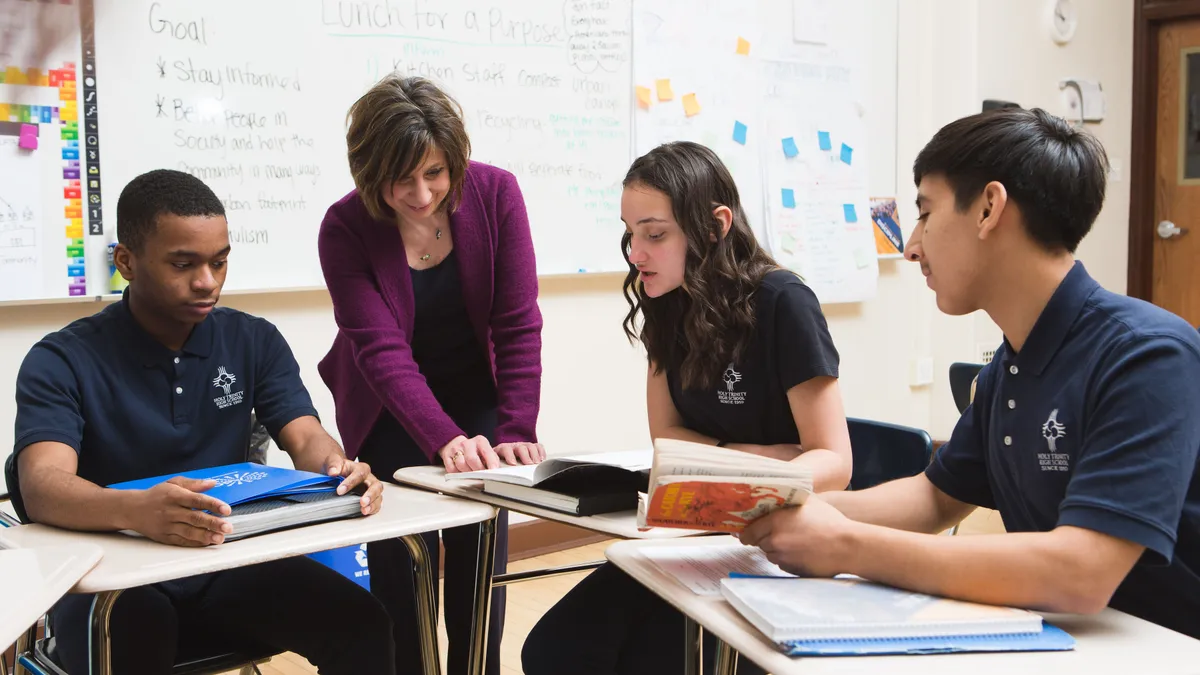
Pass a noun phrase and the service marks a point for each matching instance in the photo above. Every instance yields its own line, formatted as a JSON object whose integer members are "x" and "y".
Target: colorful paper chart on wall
{"x": 43, "y": 174}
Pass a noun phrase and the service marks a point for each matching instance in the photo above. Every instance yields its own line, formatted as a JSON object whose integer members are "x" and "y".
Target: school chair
{"x": 962, "y": 383}
{"x": 884, "y": 452}
{"x": 40, "y": 659}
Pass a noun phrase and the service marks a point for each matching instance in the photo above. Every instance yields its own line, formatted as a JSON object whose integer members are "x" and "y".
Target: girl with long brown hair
{"x": 739, "y": 356}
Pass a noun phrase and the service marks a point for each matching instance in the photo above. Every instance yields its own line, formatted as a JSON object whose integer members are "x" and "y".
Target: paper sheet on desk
{"x": 701, "y": 568}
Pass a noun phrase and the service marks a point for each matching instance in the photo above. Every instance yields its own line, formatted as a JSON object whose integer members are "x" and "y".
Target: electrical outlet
{"x": 922, "y": 371}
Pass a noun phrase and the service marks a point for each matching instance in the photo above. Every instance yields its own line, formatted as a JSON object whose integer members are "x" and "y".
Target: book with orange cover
{"x": 702, "y": 487}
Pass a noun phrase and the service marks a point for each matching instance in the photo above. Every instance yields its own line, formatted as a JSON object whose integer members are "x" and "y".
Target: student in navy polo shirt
{"x": 1084, "y": 431}
{"x": 139, "y": 390}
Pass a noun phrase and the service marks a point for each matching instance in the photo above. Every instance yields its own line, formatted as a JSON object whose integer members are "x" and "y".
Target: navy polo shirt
{"x": 1094, "y": 424}
{"x": 132, "y": 408}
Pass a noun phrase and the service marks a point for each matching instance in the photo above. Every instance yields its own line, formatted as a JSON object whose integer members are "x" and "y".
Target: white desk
{"x": 622, "y": 524}
{"x": 1110, "y": 642}
{"x": 32, "y": 580}
{"x": 129, "y": 561}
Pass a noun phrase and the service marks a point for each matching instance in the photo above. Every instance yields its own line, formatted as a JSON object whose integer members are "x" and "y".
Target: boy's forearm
{"x": 911, "y": 504}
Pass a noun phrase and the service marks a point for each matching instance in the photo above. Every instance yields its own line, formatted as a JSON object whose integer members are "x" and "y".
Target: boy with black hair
{"x": 164, "y": 382}
{"x": 1084, "y": 430}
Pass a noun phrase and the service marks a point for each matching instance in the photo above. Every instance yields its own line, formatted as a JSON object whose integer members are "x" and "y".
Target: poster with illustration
{"x": 889, "y": 239}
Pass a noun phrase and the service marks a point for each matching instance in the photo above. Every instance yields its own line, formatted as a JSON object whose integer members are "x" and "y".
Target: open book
{"x": 267, "y": 498}
{"x": 581, "y": 485}
{"x": 594, "y": 464}
{"x": 849, "y": 615}
{"x": 703, "y": 487}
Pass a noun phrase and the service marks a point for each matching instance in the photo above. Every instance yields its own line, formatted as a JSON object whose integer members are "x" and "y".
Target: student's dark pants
{"x": 610, "y": 624}
{"x": 290, "y": 605}
{"x": 388, "y": 448}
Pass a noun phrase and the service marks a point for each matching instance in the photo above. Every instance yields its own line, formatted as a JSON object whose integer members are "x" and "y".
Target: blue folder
{"x": 246, "y": 482}
{"x": 1050, "y": 639}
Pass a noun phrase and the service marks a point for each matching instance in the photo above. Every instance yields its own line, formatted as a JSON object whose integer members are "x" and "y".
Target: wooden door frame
{"x": 1148, "y": 17}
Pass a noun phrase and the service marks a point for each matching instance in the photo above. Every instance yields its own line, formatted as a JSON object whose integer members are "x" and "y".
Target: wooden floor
{"x": 527, "y": 601}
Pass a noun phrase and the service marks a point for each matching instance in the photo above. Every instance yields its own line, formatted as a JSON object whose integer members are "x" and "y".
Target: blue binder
{"x": 1050, "y": 639}
{"x": 246, "y": 482}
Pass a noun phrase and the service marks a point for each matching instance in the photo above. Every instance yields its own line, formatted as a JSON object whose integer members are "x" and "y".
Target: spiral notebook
{"x": 851, "y": 616}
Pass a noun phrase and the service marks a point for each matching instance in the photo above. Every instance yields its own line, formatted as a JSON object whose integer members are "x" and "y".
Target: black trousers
{"x": 388, "y": 448}
{"x": 293, "y": 605}
{"x": 610, "y": 624}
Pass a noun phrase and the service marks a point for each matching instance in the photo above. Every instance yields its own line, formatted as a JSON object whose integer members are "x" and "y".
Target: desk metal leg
{"x": 485, "y": 565}
{"x": 101, "y": 639}
{"x": 425, "y": 580}
{"x": 25, "y": 642}
{"x": 693, "y": 647}
{"x": 726, "y": 659}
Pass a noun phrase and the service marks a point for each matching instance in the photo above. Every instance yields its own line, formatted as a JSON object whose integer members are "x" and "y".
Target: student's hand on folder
{"x": 174, "y": 513}
{"x": 808, "y": 541}
{"x": 521, "y": 453}
{"x": 469, "y": 454}
{"x": 354, "y": 474}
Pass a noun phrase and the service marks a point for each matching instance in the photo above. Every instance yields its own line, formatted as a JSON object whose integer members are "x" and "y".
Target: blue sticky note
{"x": 789, "y": 147}
{"x": 848, "y": 210}
{"x": 823, "y": 140}
{"x": 739, "y": 132}
{"x": 789, "y": 198}
{"x": 847, "y": 153}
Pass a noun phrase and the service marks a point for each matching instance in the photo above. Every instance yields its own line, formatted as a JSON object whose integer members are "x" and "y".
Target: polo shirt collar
{"x": 153, "y": 352}
{"x": 1055, "y": 321}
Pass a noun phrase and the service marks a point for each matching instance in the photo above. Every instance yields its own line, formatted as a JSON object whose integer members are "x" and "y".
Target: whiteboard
{"x": 252, "y": 96}
{"x": 779, "y": 89}
{"x": 543, "y": 85}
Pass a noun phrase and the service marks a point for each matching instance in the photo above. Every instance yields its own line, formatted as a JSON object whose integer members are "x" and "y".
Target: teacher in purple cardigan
{"x": 437, "y": 359}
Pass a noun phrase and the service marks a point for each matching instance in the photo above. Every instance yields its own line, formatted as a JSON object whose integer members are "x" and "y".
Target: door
{"x": 1176, "y": 284}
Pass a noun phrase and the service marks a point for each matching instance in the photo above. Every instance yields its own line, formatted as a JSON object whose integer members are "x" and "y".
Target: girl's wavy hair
{"x": 701, "y": 327}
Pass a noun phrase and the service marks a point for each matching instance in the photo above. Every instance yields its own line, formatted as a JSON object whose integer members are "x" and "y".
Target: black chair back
{"x": 884, "y": 452}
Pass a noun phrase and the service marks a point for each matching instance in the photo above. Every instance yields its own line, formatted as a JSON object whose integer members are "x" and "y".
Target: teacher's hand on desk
{"x": 475, "y": 454}
{"x": 521, "y": 453}
{"x": 812, "y": 540}
{"x": 354, "y": 474}
{"x": 174, "y": 513}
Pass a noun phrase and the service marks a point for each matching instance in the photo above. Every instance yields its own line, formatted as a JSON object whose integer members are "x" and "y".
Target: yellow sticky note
{"x": 643, "y": 96}
{"x": 664, "y": 90}
{"x": 5, "y": 112}
{"x": 743, "y": 46}
{"x": 690, "y": 105}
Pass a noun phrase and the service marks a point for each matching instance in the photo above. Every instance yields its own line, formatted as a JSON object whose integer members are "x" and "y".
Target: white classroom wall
{"x": 952, "y": 54}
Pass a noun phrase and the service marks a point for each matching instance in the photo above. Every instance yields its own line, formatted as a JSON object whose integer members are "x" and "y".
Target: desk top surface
{"x": 131, "y": 561}
{"x": 32, "y": 580}
{"x": 1109, "y": 642}
{"x": 621, "y": 524}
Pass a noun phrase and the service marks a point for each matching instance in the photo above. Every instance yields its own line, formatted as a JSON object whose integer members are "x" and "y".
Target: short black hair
{"x": 1055, "y": 173}
{"x": 154, "y": 193}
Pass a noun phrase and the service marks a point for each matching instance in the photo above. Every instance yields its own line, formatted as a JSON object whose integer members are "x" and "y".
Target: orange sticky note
{"x": 643, "y": 96}
{"x": 664, "y": 90}
{"x": 690, "y": 105}
{"x": 743, "y": 46}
